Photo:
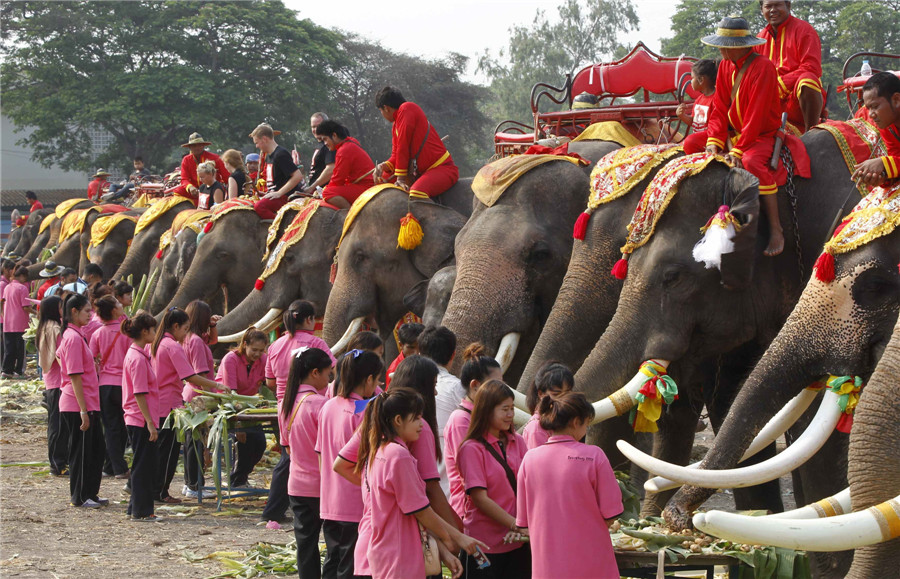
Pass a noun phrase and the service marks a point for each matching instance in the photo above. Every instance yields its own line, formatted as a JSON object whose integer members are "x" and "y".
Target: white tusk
{"x": 795, "y": 455}
{"x": 873, "y": 525}
{"x": 773, "y": 429}
{"x": 521, "y": 418}
{"x": 622, "y": 400}
{"x": 520, "y": 400}
{"x": 352, "y": 329}
{"x": 832, "y": 506}
{"x": 264, "y": 324}
{"x": 231, "y": 338}
{"x": 507, "y": 350}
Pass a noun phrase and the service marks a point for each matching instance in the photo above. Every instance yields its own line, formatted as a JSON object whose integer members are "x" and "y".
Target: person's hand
{"x": 190, "y": 188}
{"x": 214, "y": 320}
{"x": 240, "y": 437}
{"x": 403, "y": 182}
{"x": 734, "y": 161}
{"x": 154, "y": 434}
{"x": 870, "y": 172}
{"x": 450, "y": 560}
{"x": 272, "y": 195}
{"x": 85, "y": 422}
{"x": 468, "y": 544}
{"x": 712, "y": 149}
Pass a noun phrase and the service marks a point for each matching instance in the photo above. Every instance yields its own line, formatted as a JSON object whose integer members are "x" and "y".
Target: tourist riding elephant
{"x": 168, "y": 270}
{"x": 26, "y": 234}
{"x": 109, "y": 253}
{"x": 374, "y": 275}
{"x": 152, "y": 224}
{"x": 301, "y": 273}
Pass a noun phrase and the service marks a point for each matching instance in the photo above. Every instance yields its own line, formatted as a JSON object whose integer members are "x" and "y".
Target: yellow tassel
{"x": 411, "y": 234}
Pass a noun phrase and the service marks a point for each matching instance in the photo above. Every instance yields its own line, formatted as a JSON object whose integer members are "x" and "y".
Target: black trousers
{"x": 113, "y": 429}
{"x": 307, "y": 525}
{"x": 277, "y": 503}
{"x": 13, "y": 352}
{"x": 85, "y": 456}
{"x": 194, "y": 443}
{"x": 57, "y": 433}
{"x": 168, "y": 448}
{"x": 511, "y": 565}
{"x": 143, "y": 472}
{"x": 340, "y": 540}
{"x": 247, "y": 454}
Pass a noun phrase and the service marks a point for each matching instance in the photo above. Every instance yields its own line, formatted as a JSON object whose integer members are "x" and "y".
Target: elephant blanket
{"x": 292, "y": 235}
{"x": 494, "y": 179}
{"x": 46, "y": 222}
{"x": 66, "y": 205}
{"x": 157, "y": 210}
{"x": 876, "y": 215}
{"x": 608, "y": 131}
{"x": 275, "y": 227}
{"x": 73, "y": 222}
{"x": 858, "y": 141}
{"x": 619, "y": 171}
{"x": 104, "y": 225}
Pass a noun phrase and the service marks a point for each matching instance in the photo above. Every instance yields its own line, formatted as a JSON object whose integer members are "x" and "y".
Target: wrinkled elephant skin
{"x": 146, "y": 243}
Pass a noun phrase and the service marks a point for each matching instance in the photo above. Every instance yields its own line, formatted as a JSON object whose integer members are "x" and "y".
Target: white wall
{"x": 18, "y": 171}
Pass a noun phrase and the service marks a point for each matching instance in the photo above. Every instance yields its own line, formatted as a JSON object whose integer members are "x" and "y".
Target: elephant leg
{"x": 672, "y": 443}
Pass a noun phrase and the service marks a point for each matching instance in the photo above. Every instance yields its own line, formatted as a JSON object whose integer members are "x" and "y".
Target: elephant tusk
{"x": 353, "y": 328}
{"x": 507, "y": 350}
{"x": 519, "y": 399}
{"x": 795, "y": 455}
{"x": 264, "y": 324}
{"x": 832, "y": 506}
{"x": 773, "y": 429}
{"x": 622, "y": 400}
{"x": 839, "y": 533}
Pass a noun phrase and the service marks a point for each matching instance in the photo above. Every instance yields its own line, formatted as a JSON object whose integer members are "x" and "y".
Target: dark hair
{"x": 491, "y": 394}
{"x": 438, "y": 343}
{"x": 558, "y": 410}
{"x": 369, "y": 341}
{"x": 409, "y": 333}
{"x": 377, "y": 428}
{"x": 199, "y": 316}
{"x": 706, "y": 67}
{"x": 138, "y": 158}
{"x": 788, "y": 2}
{"x": 49, "y": 312}
{"x": 885, "y": 84}
{"x": 389, "y": 96}
{"x": 93, "y": 269}
{"x": 355, "y": 367}
{"x": 552, "y": 375}
{"x": 329, "y": 127}
{"x": 72, "y": 302}
{"x": 419, "y": 373}
{"x": 30, "y": 195}
{"x": 7, "y": 264}
{"x": 105, "y": 307}
{"x": 297, "y": 313}
{"x": 476, "y": 366}
{"x": 301, "y": 366}
{"x": 97, "y": 290}
{"x": 250, "y": 336}
{"x": 172, "y": 317}
{"x": 21, "y": 271}
{"x": 120, "y": 288}
{"x": 67, "y": 271}
{"x": 133, "y": 326}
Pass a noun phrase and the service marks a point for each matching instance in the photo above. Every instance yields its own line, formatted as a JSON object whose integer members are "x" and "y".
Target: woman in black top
{"x": 212, "y": 192}
{"x": 234, "y": 162}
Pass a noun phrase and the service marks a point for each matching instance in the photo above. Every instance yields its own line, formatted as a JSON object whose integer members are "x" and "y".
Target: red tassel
{"x": 825, "y": 268}
{"x": 581, "y": 226}
{"x": 845, "y": 423}
{"x": 333, "y": 275}
{"x": 260, "y": 283}
{"x": 620, "y": 270}
{"x": 208, "y": 227}
{"x": 159, "y": 254}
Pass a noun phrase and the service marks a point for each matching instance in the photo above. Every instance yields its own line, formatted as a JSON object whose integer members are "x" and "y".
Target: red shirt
{"x": 391, "y": 369}
{"x": 891, "y": 136}
{"x": 35, "y": 206}
{"x": 350, "y": 165}
{"x": 756, "y": 109}
{"x": 189, "y": 169}
{"x": 45, "y": 286}
{"x": 701, "y": 111}
{"x": 95, "y": 188}
{"x": 410, "y": 128}
{"x": 796, "y": 52}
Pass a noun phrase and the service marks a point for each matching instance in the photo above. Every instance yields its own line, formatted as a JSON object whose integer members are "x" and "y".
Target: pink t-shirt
{"x": 15, "y": 318}
{"x": 138, "y": 378}
{"x": 109, "y": 344}
{"x": 479, "y": 469}
{"x": 278, "y": 364}
{"x": 92, "y": 326}
{"x": 454, "y": 433}
{"x": 300, "y": 436}
{"x": 172, "y": 367}
{"x": 201, "y": 359}
{"x": 397, "y": 493}
{"x": 339, "y": 498}
{"x": 53, "y": 377}
{"x": 533, "y": 434}
{"x": 3, "y": 283}
{"x": 234, "y": 374}
{"x": 75, "y": 357}
{"x": 562, "y": 523}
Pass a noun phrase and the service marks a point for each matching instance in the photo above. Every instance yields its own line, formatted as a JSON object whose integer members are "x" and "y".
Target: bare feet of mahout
{"x": 776, "y": 243}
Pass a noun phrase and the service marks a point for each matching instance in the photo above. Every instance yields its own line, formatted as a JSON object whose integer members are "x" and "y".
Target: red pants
{"x": 792, "y": 101}
{"x": 436, "y": 181}
{"x": 267, "y": 208}
{"x": 695, "y": 143}
{"x": 181, "y": 191}
{"x": 349, "y": 192}
{"x": 755, "y": 159}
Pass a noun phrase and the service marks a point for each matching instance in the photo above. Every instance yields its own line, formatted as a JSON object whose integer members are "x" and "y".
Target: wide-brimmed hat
{"x": 51, "y": 269}
{"x": 196, "y": 139}
{"x": 101, "y": 173}
{"x": 732, "y": 32}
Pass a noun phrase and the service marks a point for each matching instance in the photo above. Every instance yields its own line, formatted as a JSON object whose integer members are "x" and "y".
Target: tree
{"x": 151, "y": 73}
{"x": 586, "y": 32}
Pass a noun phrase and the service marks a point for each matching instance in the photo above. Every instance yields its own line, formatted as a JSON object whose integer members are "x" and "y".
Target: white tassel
{"x": 715, "y": 242}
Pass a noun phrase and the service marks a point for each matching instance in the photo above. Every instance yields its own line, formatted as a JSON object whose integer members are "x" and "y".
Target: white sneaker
{"x": 191, "y": 494}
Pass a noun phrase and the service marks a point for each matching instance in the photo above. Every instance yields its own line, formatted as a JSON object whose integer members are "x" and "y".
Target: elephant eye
{"x": 539, "y": 252}
{"x": 875, "y": 287}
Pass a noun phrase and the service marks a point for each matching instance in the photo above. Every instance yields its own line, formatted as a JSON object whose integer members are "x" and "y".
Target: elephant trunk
{"x": 38, "y": 246}
{"x": 198, "y": 284}
{"x": 250, "y": 310}
{"x": 348, "y": 301}
{"x": 137, "y": 260}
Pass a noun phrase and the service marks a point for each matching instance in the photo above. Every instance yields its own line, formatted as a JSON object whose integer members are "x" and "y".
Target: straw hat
{"x": 196, "y": 139}
{"x": 732, "y": 32}
{"x": 51, "y": 269}
{"x": 101, "y": 173}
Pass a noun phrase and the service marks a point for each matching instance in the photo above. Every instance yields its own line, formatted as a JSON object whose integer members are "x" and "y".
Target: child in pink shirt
{"x": 551, "y": 379}
{"x": 79, "y": 405}
{"x": 47, "y": 339}
{"x": 16, "y": 310}
{"x": 568, "y": 496}
{"x": 310, "y": 374}
{"x": 341, "y": 505}
{"x": 140, "y": 402}
{"x": 488, "y": 460}
{"x": 109, "y": 345}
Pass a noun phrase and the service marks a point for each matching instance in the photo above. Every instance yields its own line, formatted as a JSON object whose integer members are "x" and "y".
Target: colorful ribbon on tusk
{"x": 659, "y": 387}
{"x": 847, "y": 388}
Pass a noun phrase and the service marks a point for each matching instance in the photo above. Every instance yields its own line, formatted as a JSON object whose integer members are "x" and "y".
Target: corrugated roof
{"x": 48, "y": 196}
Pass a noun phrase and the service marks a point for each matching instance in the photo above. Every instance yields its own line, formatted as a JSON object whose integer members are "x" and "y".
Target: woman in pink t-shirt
{"x": 109, "y": 345}
{"x": 243, "y": 371}
{"x": 488, "y": 461}
{"x": 311, "y": 371}
{"x": 552, "y": 378}
{"x": 140, "y": 402}
{"x": 568, "y": 496}
{"x": 477, "y": 369}
{"x": 396, "y": 491}
{"x": 47, "y": 338}
{"x": 79, "y": 405}
{"x": 16, "y": 310}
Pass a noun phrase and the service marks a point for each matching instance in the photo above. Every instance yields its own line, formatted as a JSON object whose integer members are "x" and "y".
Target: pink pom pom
{"x": 825, "y": 268}
{"x": 620, "y": 270}
{"x": 581, "y": 226}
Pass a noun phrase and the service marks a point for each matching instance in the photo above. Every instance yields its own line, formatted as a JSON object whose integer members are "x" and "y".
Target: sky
{"x": 433, "y": 28}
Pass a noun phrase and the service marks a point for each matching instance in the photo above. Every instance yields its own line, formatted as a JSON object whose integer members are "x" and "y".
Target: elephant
{"x": 12, "y": 242}
{"x": 111, "y": 251}
{"x": 458, "y": 197}
{"x": 440, "y": 288}
{"x": 170, "y": 269}
{"x": 302, "y": 274}
{"x": 25, "y": 235}
{"x": 374, "y": 275}
{"x": 146, "y": 241}
{"x": 50, "y": 236}
{"x": 69, "y": 252}
{"x": 512, "y": 256}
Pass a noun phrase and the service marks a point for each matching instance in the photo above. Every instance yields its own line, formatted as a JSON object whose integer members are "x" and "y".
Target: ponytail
{"x": 377, "y": 428}
{"x": 136, "y": 324}
{"x": 552, "y": 376}
{"x": 476, "y": 365}
{"x": 72, "y": 302}
{"x": 355, "y": 367}
{"x": 173, "y": 317}
{"x": 559, "y": 410}
{"x": 297, "y": 312}
{"x": 302, "y": 365}
{"x": 105, "y": 307}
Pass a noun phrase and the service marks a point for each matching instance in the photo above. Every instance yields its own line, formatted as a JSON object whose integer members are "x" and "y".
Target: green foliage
{"x": 586, "y": 32}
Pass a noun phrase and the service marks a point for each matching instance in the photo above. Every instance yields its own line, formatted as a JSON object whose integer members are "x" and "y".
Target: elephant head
{"x": 171, "y": 267}
{"x": 146, "y": 239}
{"x": 374, "y": 275}
{"x": 26, "y": 235}
{"x": 110, "y": 252}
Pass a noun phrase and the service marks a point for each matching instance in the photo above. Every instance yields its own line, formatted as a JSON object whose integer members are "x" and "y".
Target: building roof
{"x": 48, "y": 197}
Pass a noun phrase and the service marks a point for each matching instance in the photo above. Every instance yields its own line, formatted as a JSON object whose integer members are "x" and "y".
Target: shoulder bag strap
{"x": 510, "y": 475}
{"x": 109, "y": 349}
{"x": 740, "y": 74}
{"x": 290, "y": 423}
{"x": 464, "y": 409}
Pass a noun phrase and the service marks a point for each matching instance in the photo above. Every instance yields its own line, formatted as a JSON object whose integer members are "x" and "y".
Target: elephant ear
{"x": 439, "y": 226}
{"x": 741, "y": 195}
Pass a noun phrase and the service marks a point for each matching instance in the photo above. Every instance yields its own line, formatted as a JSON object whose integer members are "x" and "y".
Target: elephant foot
{"x": 677, "y": 517}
